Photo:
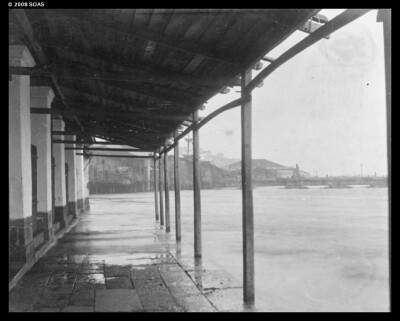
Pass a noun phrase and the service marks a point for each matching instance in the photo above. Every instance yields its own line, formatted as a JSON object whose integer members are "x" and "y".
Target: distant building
{"x": 265, "y": 170}
{"x": 127, "y": 175}
{"x": 119, "y": 175}
{"x": 211, "y": 176}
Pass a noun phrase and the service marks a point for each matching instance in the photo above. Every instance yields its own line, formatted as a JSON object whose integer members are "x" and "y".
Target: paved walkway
{"x": 116, "y": 260}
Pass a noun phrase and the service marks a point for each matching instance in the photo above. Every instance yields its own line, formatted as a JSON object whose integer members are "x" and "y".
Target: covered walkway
{"x": 104, "y": 264}
{"x": 135, "y": 78}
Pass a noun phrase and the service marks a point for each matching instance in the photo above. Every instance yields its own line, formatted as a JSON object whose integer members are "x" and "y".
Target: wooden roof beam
{"x": 152, "y": 94}
{"x": 127, "y": 130}
{"x": 126, "y": 136}
{"x": 119, "y": 156}
{"x": 123, "y": 137}
{"x": 78, "y": 72}
{"x": 160, "y": 38}
{"x": 111, "y": 149}
{"x": 132, "y": 143}
{"x": 95, "y": 93}
{"x": 144, "y": 135}
{"x": 83, "y": 142}
{"x": 149, "y": 127}
{"x": 138, "y": 116}
{"x": 132, "y": 75}
{"x": 136, "y": 72}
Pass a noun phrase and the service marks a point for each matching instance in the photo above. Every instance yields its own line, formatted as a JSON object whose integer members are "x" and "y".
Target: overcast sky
{"x": 324, "y": 109}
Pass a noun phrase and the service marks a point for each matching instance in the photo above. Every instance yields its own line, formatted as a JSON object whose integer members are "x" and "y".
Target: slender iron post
{"x": 155, "y": 187}
{"x": 247, "y": 192}
{"x": 177, "y": 189}
{"x": 166, "y": 189}
{"x": 160, "y": 181}
{"x": 385, "y": 16}
{"x": 196, "y": 187}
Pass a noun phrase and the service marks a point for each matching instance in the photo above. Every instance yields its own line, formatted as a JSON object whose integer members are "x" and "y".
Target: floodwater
{"x": 315, "y": 249}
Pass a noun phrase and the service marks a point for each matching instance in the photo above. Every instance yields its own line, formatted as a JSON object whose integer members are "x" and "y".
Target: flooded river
{"x": 315, "y": 249}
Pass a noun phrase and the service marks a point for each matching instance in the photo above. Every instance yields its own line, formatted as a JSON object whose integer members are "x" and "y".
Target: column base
{"x": 61, "y": 213}
{"x": 80, "y": 205}
{"x": 86, "y": 204}
{"x": 46, "y": 225}
{"x": 21, "y": 247}
{"x": 73, "y": 209}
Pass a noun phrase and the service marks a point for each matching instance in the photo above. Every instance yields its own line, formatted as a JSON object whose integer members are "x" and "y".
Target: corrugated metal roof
{"x": 134, "y": 75}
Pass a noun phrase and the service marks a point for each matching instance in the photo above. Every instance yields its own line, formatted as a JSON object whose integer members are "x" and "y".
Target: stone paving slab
{"x": 117, "y": 270}
{"x": 160, "y": 260}
{"x": 170, "y": 308}
{"x": 229, "y": 300}
{"x": 54, "y": 297}
{"x": 91, "y": 268}
{"x": 117, "y": 300}
{"x": 180, "y": 291}
{"x": 213, "y": 279}
{"x": 58, "y": 268}
{"x": 62, "y": 279}
{"x": 22, "y": 298}
{"x": 99, "y": 266}
{"x": 43, "y": 310}
{"x": 144, "y": 272}
{"x": 65, "y": 258}
{"x": 195, "y": 303}
{"x": 119, "y": 282}
{"x": 158, "y": 301}
{"x": 77, "y": 309}
{"x": 33, "y": 280}
{"x": 149, "y": 284}
{"x": 163, "y": 287}
{"x": 93, "y": 260}
{"x": 170, "y": 267}
{"x": 83, "y": 297}
{"x": 90, "y": 281}
{"x": 176, "y": 278}
{"x": 190, "y": 263}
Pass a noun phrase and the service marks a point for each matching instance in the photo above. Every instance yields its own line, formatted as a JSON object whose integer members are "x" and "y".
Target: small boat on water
{"x": 336, "y": 186}
{"x": 295, "y": 187}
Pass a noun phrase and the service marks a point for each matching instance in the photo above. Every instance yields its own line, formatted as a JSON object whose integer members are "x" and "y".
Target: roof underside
{"x": 132, "y": 76}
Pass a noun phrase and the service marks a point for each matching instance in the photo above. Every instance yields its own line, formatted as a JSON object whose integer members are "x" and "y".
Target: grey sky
{"x": 324, "y": 109}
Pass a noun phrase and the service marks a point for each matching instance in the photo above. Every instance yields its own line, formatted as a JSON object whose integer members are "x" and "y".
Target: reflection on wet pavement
{"x": 123, "y": 262}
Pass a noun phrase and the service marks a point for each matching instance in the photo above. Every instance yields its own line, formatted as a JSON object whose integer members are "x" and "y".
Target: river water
{"x": 315, "y": 249}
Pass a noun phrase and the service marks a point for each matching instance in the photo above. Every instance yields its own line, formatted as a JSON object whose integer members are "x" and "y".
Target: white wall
{"x": 86, "y": 178}
{"x": 41, "y": 97}
{"x": 59, "y": 171}
{"x": 19, "y": 139}
{"x": 71, "y": 161}
{"x": 79, "y": 176}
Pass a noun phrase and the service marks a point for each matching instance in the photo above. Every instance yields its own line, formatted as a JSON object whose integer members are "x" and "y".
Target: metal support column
{"x": 247, "y": 192}
{"x": 196, "y": 187}
{"x": 160, "y": 181}
{"x": 166, "y": 188}
{"x": 385, "y": 16}
{"x": 177, "y": 189}
{"x": 156, "y": 187}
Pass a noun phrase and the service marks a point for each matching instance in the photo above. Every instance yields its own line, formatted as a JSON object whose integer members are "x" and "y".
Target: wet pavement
{"x": 118, "y": 259}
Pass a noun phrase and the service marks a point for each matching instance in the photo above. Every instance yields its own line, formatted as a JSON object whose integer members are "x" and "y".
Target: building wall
{"x": 273, "y": 168}
{"x": 119, "y": 175}
{"x": 211, "y": 176}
